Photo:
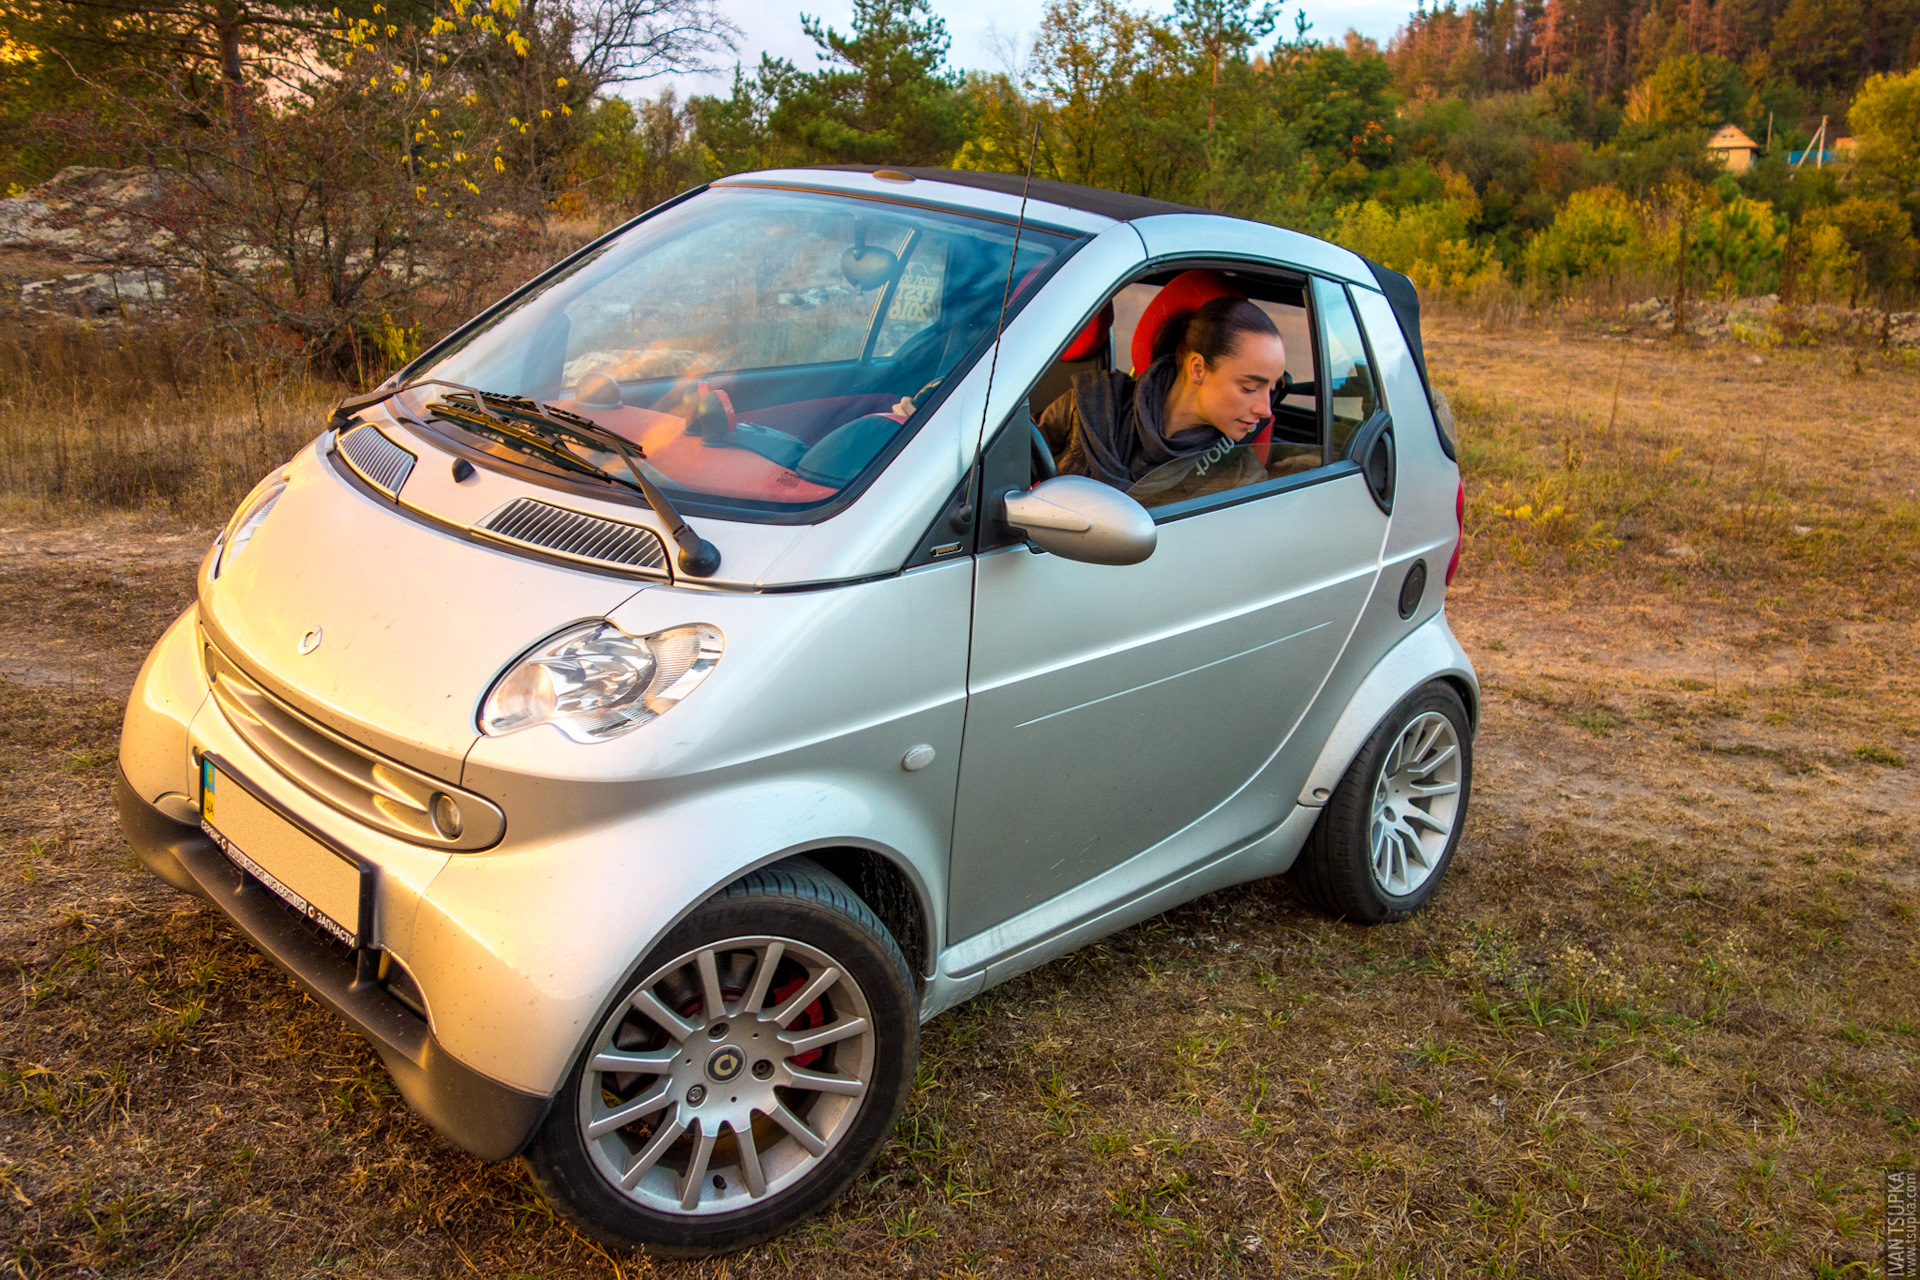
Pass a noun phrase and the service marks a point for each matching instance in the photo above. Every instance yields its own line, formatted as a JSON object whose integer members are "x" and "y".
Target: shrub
{"x": 1878, "y": 234}
{"x": 1596, "y": 234}
{"x": 1429, "y": 241}
{"x": 1824, "y": 266}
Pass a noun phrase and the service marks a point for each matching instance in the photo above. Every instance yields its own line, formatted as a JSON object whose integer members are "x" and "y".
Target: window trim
{"x": 1373, "y": 376}
{"x": 1207, "y": 502}
{"x": 1380, "y": 404}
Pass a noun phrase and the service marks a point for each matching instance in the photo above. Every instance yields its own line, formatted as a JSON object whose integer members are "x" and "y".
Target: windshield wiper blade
{"x": 698, "y": 557}
{"x": 517, "y": 434}
{"x": 343, "y": 412}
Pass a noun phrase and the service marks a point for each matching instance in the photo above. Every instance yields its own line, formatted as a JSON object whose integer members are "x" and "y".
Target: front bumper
{"x": 475, "y": 1113}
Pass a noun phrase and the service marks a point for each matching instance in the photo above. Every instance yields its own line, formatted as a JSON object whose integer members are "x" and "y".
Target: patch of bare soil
{"x": 81, "y": 600}
{"x": 1659, "y": 1022}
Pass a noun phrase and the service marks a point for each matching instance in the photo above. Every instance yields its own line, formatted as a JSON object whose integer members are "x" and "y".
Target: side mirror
{"x": 1078, "y": 518}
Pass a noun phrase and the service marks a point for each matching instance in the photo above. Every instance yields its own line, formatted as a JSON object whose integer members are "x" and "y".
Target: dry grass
{"x": 1660, "y": 1022}
{"x": 141, "y": 417}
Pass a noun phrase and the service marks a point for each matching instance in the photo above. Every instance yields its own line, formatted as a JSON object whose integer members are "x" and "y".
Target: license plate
{"x": 309, "y": 876}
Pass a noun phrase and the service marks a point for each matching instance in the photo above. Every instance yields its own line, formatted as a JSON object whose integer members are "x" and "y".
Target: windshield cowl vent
{"x": 376, "y": 459}
{"x": 572, "y": 535}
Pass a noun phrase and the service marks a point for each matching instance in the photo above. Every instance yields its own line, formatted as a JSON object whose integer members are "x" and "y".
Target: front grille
{"x": 369, "y": 788}
{"x": 380, "y": 462}
{"x": 574, "y": 536}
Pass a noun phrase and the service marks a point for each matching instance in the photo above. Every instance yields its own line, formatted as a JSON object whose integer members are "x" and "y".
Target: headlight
{"x": 246, "y": 520}
{"x": 595, "y": 682}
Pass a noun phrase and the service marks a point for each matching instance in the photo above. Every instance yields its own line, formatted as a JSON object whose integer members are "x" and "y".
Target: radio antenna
{"x": 1006, "y": 296}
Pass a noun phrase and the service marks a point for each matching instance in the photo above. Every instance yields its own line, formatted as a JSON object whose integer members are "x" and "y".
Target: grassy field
{"x": 1661, "y": 1021}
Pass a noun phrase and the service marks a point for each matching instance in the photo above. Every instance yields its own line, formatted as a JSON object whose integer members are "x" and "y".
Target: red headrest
{"x": 1090, "y": 339}
{"x": 1185, "y": 294}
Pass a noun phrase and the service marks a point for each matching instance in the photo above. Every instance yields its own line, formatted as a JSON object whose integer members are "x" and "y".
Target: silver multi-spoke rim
{"x": 1416, "y": 800}
{"x": 691, "y": 1111}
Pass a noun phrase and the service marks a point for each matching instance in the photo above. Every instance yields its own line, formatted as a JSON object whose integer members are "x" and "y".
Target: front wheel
{"x": 1390, "y": 828}
{"x": 739, "y": 1085}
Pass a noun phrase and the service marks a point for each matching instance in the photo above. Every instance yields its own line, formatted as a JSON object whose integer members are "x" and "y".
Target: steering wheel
{"x": 1043, "y": 463}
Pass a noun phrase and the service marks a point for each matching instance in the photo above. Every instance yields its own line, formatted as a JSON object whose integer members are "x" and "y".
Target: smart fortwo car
{"x": 651, "y": 705}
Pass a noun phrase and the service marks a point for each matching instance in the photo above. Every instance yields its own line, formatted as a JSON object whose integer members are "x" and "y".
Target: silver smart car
{"x": 657, "y": 700}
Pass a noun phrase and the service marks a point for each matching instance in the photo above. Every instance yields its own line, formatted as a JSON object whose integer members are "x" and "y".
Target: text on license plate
{"x": 306, "y": 874}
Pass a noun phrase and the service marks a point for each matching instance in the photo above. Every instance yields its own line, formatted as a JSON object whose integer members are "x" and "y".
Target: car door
{"x": 1111, "y": 709}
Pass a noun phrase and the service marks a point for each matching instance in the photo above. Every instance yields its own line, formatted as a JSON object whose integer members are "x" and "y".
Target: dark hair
{"x": 1214, "y": 330}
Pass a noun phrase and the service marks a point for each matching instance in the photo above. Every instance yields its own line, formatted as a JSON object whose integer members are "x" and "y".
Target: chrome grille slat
{"x": 378, "y": 460}
{"x": 574, "y": 535}
{"x": 347, "y": 766}
{"x": 367, "y": 787}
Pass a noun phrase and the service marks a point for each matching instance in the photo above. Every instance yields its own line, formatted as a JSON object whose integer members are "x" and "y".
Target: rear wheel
{"x": 744, "y": 1079}
{"x": 1390, "y": 828}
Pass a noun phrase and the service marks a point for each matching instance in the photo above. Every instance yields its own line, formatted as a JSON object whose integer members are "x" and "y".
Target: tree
{"x": 1084, "y": 62}
{"x": 1338, "y": 102}
{"x": 1217, "y": 31}
{"x": 627, "y": 41}
{"x": 634, "y": 157}
{"x": 1820, "y": 41}
{"x": 370, "y": 197}
{"x": 1674, "y": 96}
{"x": 1886, "y": 126}
{"x": 1744, "y": 242}
{"x": 885, "y": 96}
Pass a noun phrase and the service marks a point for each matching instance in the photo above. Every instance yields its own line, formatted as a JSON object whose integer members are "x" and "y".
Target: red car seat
{"x": 1090, "y": 339}
{"x": 1185, "y": 294}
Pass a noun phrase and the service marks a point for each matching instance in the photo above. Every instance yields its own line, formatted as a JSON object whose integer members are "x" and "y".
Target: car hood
{"x": 405, "y": 624}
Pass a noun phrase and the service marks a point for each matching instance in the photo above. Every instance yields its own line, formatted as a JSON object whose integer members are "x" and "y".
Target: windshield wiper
{"x": 698, "y": 558}
{"x": 343, "y": 412}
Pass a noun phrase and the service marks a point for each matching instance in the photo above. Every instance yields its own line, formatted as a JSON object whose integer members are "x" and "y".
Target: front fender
{"x": 519, "y": 953}
{"x": 1429, "y": 652}
{"x": 154, "y": 752}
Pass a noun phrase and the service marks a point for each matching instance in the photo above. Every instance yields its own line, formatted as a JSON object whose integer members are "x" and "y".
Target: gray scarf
{"x": 1119, "y": 426}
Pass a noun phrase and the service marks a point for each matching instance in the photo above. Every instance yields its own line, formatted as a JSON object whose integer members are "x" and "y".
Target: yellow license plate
{"x": 307, "y": 875}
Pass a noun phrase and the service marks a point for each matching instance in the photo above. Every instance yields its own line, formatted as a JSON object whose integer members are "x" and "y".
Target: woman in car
{"x": 1209, "y": 387}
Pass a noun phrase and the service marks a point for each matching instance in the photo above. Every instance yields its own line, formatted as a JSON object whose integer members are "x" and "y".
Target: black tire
{"x": 1335, "y": 872}
{"x": 800, "y": 906}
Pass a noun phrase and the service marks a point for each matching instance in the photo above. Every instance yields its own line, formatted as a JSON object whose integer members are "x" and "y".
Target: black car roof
{"x": 1108, "y": 204}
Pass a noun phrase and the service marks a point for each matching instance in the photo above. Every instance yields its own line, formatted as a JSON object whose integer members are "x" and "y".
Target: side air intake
{"x": 595, "y": 540}
{"x": 378, "y": 460}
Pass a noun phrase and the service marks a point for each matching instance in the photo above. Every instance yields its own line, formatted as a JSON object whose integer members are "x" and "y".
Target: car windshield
{"x": 762, "y": 347}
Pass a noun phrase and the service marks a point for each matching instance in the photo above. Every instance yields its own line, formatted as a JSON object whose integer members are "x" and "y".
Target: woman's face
{"x": 1236, "y": 394}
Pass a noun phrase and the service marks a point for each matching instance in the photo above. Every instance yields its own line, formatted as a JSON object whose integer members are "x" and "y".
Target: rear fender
{"x": 1428, "y": 653}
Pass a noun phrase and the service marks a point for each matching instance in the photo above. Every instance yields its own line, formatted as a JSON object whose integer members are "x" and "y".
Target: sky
{"x": 985, "y": 32}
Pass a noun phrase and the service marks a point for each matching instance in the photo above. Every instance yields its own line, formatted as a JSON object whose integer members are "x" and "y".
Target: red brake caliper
{"x": 813, "y": 1015}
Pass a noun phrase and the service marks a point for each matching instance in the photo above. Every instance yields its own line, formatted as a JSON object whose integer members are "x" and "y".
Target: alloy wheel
{"x": 1416, "y": 801}
{"x": 727, "y": 1076}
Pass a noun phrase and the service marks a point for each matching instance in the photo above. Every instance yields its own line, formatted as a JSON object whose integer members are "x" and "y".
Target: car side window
{"x": 1352, "y": 394}
{"x": 1289, "y": 443}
